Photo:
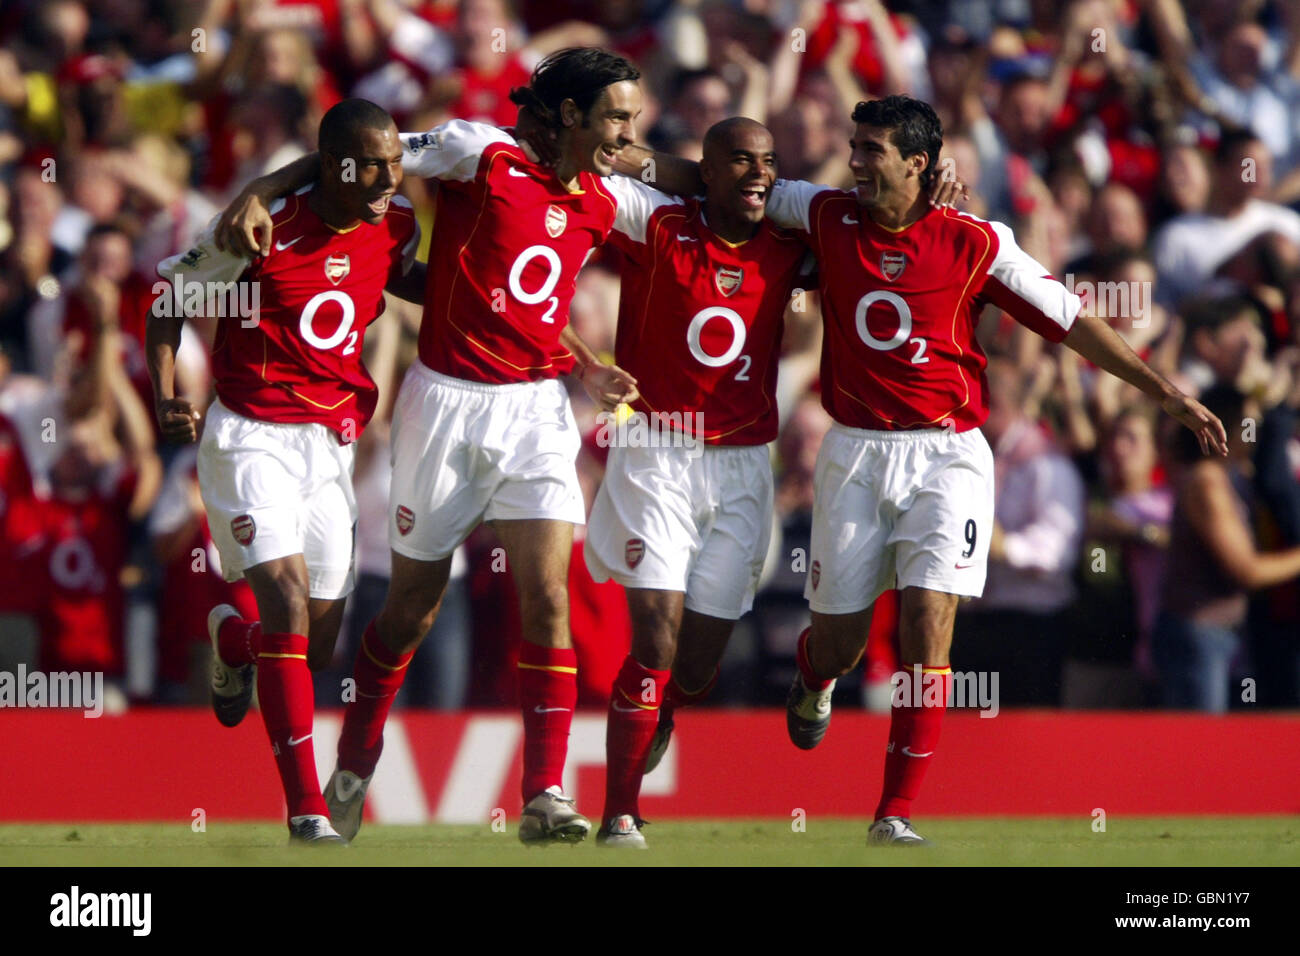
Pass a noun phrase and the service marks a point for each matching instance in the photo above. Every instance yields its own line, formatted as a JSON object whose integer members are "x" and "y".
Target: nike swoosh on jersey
{"x": 539, "y": 709}
{"x": 294, "y": 743}
{"x": 515, "y": 171}
{"x": 687, "y": 239}
{"x": 849, "y": 222}
{"x": 281, "y": 246}
{"x": 909, "y": 753}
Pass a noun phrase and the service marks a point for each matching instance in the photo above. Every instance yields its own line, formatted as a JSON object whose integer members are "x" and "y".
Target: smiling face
{"x": 592, "y": 141}
{"x": 884, "y": 177}
{"x": 366, "y": 195}
{"x": 739, "y": 168}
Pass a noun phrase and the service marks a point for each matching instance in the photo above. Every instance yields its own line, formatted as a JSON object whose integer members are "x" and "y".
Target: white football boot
{"x": 894, "y": 830}
{"x": 550, "y": 818}
{"x": 623, "y": 831}
{"x": 345, "y": 795}
{"x": 232, "y": 687}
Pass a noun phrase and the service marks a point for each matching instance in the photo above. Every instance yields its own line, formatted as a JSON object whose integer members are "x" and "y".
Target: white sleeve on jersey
{"x": 204, "y": 262}
{"x": 450, "y": 151}
{"x": 790, "y": 203}
{"x": 637, "y": 202}
{"x": 1030, "y": 281}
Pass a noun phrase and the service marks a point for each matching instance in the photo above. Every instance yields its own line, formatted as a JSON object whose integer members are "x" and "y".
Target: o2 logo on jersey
{"x": 344, "y": 330}
{"x": 904, "y": 332}
{"x": 556, "y": 220}
{"x": 728, "y": 280}
{"x": 73, "y": 566}
{"x": 695, "y": 330}
{"x": 892, "y": 265}
{"x": 634, "y": 551}
{"x": 337, "y": 268}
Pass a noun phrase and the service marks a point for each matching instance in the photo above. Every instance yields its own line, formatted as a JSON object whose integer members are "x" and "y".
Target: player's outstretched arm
{"x": 664, "y": 171}
{"x": 607, "y": 385}
{"x": 245, "y": 225}
{"x": 1096, "y": 341}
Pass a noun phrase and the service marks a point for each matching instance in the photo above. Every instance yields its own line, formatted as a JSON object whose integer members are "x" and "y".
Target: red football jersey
{"x": 21, "y": 526}
{"x": 900, "y": 308}
{"x": 509, "y": 242}
{"x": 298, "y": 358}
{"x": 700, "y": 318}
{"x": 81, "y": 622}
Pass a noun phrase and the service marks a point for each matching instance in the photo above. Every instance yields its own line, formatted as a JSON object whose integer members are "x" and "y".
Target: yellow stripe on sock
{"x": 547, "y": 667}
{"x": 377, "y": 662}
{"x": 292, "y": 657}
{"x": 636, "y": 703}
{"x": 937, "y": 670}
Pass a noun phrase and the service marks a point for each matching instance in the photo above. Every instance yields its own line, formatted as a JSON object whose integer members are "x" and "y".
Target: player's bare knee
{"x": 319, "y": 657}
{"x": 545, "y": 605}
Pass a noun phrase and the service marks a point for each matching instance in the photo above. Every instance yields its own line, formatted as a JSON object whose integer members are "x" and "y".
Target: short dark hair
{"x": 342, "y": 123}
{"x": 913, "y": 126}
{"x": 578, "y": 74}
{"x": 1231, "y": 140}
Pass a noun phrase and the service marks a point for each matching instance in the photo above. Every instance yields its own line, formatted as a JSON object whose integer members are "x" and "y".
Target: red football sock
{"x": 913, "y": 739}
{"x": 811, "y": 680}
{"x": 378, "y": 673}
{"x": 548, "y": 692}
{"x": 633, "y": 714}
{"x": 238, "y": 641}
{"x": 675, "y": 696}
{"x": 284, "y": 692}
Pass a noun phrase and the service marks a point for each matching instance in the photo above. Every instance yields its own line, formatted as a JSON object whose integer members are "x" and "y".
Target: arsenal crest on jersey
{"x": 556, "y": 220}
{"x": 405, "y": 519}
{"x": 728, "y": 280}
{"x": 244, "y": 529}
{"x": 634, "y": 551}
{"x": 337, "y": 268}
{"x": 892, "y": 264}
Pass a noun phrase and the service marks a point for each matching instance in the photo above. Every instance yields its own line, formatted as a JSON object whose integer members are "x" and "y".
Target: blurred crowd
{"x": 1147, "y": 152}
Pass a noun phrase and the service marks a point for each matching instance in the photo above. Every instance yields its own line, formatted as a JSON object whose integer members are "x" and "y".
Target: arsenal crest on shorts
{"x": 634, "y": 551}
{"x": 892, "y": 264}
{"x": 556, "y": 220}
{"x": 728, "y": 280}
{"x": 337, "y": 268}
{"x": 405, "y": 519}
{"x": 244, "y": 529}
{"x": 816, "y": 574}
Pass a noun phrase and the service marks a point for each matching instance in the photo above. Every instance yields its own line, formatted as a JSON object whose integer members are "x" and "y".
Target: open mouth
{"x": 755, "y": 196}
{"x": 609, "y": 154}
{"x": 380, "y": 205}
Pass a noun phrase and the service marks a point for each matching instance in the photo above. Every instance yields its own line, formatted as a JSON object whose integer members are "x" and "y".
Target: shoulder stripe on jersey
{"x": 599, "y": 189}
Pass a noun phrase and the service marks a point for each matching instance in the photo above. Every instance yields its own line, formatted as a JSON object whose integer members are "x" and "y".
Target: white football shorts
{"x": 899, "y": 509}
{"x": 692, "y": 520}
{"x": 273, "y": 490}
{"x": 465, "y": 452}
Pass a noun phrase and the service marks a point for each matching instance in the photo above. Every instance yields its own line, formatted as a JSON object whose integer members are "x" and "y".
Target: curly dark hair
{"x": 578, "y": 74}
{"x": 913, "y": 126}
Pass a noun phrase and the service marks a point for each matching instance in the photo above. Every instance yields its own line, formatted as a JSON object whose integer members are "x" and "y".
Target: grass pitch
{"x": 1133, "y": 841}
